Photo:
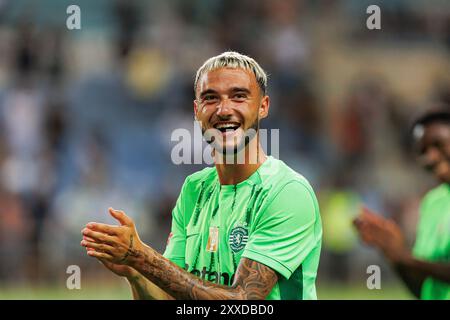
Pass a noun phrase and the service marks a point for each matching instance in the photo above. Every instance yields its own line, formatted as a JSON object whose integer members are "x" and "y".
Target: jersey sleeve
{"x": 285, "y": 233}
{"x": 176, "y": 242}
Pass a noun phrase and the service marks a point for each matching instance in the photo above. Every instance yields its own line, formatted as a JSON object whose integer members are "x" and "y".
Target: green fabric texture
{"x": 433, "y": 238}
{"x": 272, "y": 217}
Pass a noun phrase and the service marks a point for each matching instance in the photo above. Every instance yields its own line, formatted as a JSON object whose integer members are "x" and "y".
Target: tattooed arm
{"x": 121, "y": 245}
{"x": 141, "y": 287}
{"x": 253, "y": 280}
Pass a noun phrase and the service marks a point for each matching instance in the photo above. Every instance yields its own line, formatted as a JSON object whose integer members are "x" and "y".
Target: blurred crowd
{"x": 86, "y": 115}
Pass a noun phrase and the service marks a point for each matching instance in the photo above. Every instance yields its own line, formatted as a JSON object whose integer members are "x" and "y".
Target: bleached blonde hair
{"x": 235, "y": 60}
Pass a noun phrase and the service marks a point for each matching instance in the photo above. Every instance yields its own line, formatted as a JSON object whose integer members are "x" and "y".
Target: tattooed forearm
{"x": 256, "y": 279}
{"x": 253, "y": 280}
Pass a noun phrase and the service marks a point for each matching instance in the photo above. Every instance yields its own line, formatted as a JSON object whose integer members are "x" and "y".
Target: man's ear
{"x": 264, "y": 108}
{"x": 195, "y": 109}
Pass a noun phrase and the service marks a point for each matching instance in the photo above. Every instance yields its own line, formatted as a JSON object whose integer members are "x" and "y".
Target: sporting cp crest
{"x": 238, "y": 238}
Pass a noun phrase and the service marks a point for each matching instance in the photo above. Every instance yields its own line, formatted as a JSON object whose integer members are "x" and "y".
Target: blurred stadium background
{"x": 86, "y": 118}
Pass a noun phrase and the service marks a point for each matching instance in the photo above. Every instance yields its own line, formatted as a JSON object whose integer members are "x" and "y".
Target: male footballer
{"x": 425, "y": 270}
{"x": 240, "y": 230}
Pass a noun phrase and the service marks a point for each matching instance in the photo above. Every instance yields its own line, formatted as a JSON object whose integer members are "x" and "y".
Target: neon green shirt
{"x": 433, "y": 238}
{"x": 272, "y": 218}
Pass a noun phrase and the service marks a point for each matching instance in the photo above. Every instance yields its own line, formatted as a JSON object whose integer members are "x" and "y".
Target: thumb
{"x": 120, "y": 216}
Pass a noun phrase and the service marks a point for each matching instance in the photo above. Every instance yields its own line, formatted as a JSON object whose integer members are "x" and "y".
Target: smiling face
{"x": 228, "y": 104}
{"x": 433, "y": 145}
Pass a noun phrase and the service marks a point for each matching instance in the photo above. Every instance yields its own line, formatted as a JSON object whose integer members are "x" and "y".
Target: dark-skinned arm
{"x": 386, "y": 236}
{"x": 414, "y": 271}
{"x": 412, "y": 281}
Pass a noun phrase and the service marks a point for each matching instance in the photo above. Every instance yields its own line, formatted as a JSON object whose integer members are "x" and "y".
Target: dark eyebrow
{"x": 237, "y": 89}
{"x": 209, "y": 91}
{"x": 233, "y": 90}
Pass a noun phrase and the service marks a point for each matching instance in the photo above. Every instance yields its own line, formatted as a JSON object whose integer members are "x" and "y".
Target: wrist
{"x": 140, "y": 255}
{"x": 400, "y": 258}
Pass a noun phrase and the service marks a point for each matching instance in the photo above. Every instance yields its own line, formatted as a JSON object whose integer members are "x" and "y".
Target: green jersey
{"x": 433, "y": 238}
{"x": 272, "y": 218}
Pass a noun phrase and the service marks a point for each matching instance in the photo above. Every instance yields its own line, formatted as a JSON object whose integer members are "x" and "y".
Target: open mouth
{"x": 227, "y": 126}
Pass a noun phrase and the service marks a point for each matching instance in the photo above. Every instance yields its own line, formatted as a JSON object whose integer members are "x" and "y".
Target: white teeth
{"x": 226, "y": 126}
